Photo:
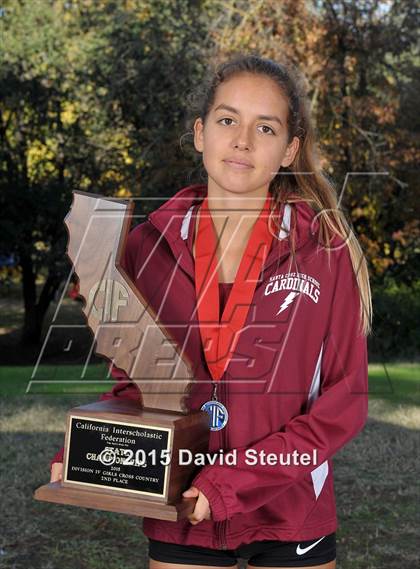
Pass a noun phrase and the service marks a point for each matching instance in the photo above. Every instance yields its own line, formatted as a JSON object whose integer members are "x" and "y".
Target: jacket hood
{"x": 172, "y": 219}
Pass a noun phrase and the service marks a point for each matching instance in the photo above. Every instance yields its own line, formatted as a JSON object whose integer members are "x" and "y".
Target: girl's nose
{"x": 242, "y": 145}
{"x": 242, "y": 140}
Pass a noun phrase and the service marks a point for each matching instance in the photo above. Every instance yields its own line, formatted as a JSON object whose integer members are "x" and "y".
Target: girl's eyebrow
{"x": 261, "y": 117}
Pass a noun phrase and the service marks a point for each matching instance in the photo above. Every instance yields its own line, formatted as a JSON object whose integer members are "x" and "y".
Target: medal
{"x": 217, "y": 412}
{"x": 220, "y": 335}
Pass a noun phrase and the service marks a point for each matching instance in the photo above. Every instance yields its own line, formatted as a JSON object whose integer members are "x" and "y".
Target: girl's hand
{"x": 202, "y": 508}
{"x": 56, "y": 472}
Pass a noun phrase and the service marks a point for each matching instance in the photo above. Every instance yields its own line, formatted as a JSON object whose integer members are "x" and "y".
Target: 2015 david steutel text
{"x": 186, "y": 457}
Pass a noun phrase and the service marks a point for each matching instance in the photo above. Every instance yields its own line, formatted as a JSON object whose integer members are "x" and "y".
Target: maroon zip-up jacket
{"x": 297, "y": 383}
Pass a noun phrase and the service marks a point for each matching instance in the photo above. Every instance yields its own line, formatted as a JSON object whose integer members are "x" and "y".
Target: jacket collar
{"x": 173, "y": 220}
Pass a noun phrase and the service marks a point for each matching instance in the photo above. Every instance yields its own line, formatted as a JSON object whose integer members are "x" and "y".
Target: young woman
{"x": 258, "y": 276}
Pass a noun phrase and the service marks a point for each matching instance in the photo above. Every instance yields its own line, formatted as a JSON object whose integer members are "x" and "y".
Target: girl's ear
{"x": 291, "y": 152}
{"x": 198, "y": 134}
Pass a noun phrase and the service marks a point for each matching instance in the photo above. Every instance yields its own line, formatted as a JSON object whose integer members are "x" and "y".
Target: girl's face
{"x": 244, "y": 138}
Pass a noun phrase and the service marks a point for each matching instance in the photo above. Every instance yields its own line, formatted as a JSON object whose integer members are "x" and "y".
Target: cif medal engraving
{"x": 218, "y": 414}
{"x": 217, "y": 411}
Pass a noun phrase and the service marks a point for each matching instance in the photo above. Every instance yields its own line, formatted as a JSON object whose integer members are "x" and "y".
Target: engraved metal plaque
{"x": 120, "y": 456}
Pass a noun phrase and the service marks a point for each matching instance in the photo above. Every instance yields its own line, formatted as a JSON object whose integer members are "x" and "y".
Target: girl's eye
{"x": 269, "y": 128}
{"x": 262, "y": 126}
{"x": 225, "y": 119}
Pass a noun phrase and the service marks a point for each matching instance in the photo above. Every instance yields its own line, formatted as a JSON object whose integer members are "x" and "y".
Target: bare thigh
{"x": 153, "y": 564}
{"x": 330, "y": 565}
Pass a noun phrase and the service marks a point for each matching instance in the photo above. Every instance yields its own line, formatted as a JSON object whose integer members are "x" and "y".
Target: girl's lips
{"x": 237, "y": 165}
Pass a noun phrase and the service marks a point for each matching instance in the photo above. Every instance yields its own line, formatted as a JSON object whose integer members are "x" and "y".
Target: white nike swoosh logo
{"x": 300, "y": 551}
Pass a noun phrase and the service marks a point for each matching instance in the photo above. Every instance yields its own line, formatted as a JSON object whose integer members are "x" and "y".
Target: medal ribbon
{"x": 220, "y": 336}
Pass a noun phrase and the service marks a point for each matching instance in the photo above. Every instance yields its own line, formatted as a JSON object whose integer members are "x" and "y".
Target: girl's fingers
{"x": 201, "y": 506}
{"x": 56, "y": 472}
{"x": 191, "y": 492}
{"x": 201, "y": 510}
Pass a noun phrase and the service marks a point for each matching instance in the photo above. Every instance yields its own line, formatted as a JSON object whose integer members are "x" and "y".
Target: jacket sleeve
{"x": 123, "y": 386}
{"x": 334, "y": 418}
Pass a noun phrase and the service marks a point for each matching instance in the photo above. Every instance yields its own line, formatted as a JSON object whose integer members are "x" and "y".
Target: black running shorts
{"x": 317, "y": 551}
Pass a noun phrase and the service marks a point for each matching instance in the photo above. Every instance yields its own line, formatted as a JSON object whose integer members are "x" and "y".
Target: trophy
{"x": 123, "y": 455}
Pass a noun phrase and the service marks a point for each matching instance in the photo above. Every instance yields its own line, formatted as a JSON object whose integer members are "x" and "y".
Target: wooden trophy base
{"x": 130, "y": 505}
{"x": 110, "y": 460}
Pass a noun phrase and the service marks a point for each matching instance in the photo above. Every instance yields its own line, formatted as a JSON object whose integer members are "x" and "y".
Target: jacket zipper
{"x": 223, "y": 524}
{"x": 220, "y": 526}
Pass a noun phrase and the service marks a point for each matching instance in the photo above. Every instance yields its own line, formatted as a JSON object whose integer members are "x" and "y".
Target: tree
{"x": 91, "y": 94}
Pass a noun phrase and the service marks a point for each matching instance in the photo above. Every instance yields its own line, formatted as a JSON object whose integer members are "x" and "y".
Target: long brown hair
{"x": 304, "y": 179}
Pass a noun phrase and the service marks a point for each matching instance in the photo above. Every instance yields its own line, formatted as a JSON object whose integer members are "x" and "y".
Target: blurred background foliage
{"x": 94, "y": 96}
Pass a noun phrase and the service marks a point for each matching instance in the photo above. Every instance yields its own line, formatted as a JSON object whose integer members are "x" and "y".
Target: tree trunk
{"x": 35, "y": 311}
{"x": 30, "y": 332}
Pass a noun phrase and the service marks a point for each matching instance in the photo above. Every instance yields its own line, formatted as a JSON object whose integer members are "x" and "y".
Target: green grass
{"x": 399, "y": 383}
{"x": 392, "y": 382}
{"x": 54, "y": 379}
{"x": 376, "y": 481}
